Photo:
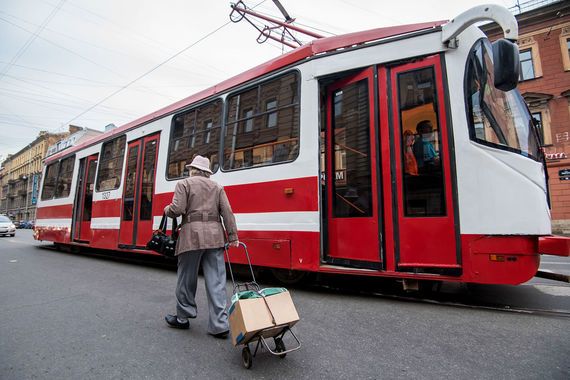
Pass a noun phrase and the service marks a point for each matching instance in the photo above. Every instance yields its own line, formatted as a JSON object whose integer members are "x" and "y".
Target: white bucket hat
{"x": 201, "y": 163}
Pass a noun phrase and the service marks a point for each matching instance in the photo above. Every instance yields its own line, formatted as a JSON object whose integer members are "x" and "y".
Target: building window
{"x": 194, "y": 132}
{"x": 270, "y": 107}
{"x": 530, "y": 65}
{"x": 526, "y": 66}
{"x": 538, "y": 106}
{"x": 247, "y": 115}
{"x": 537, "y": 119}
{"x": 565, "y": 47}
{"x": 111, "y": 164}
{"x": 263, "y": 124}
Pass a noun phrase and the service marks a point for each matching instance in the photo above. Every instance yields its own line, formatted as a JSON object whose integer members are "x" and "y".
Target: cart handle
{"x": 226, "y": 249}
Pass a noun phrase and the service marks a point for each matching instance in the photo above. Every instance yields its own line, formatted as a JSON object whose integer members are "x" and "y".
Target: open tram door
{"x": 136, "y": 214}
{"x": 351, "y": 204}
{"x": 424, "y": 215}
{"x": 84, "y": 199}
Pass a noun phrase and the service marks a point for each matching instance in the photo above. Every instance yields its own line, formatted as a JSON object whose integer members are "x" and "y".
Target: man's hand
{"x": 234, "y": 243}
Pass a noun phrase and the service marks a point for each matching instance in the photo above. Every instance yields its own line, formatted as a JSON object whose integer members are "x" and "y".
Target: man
{"x": 201, "y": 202}
{"x": 426, "y": 157}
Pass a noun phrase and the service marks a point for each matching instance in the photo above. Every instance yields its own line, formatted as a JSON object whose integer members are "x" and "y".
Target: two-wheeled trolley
{"x": 261, "y": 338}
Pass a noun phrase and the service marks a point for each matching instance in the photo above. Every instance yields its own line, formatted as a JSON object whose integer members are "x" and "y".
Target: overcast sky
{"x": 60, "y": 58}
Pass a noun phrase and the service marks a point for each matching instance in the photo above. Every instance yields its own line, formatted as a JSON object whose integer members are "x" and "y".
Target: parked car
{"x": 6, "y": 226}
{"x": 26, "y": 224}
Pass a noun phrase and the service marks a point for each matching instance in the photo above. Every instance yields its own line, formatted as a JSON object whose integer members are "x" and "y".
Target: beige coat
{"x": 201, "y": 202}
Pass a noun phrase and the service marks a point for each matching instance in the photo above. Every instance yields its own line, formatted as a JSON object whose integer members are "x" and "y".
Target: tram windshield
{"x": 497, "y": 118}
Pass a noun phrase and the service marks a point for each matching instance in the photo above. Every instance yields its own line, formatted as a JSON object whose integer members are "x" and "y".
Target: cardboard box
{"x": 249, "y": 316}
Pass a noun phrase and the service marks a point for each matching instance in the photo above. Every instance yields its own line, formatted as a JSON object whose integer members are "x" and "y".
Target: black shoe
{"x": 221, "y": 335}
{"x": 172, "y": 321}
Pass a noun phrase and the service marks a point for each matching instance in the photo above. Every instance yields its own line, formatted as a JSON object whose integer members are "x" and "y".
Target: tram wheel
{"x": 291, "y": 277}
{"x": 246, "y": 357}
{"x": 280, "y": 347}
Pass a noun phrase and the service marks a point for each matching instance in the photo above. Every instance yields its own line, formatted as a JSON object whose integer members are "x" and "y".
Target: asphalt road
{"x": 75, "y": 316}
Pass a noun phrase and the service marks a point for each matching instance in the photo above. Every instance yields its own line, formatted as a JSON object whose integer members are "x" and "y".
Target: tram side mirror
{"x": 506, "y": 64}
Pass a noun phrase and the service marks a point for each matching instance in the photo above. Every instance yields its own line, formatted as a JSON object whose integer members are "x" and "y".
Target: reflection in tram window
{"x": 129, "y": 197}
{"x": 88, "y": 202}
{"x": 352, "y": 195}
{"x": 111, "y": 164}
{"x": 64, "y": 178}
{"x": 194, "y": 132}
{"x": 263, "y": 124}
{"x": 147, "y": 187}
{"x": 420, "y": 144}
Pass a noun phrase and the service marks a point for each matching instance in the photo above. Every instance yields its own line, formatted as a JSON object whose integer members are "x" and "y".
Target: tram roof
{"x": 315, "y": 47}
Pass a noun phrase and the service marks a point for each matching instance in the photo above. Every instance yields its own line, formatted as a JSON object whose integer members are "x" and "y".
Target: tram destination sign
{"x": 564, "y": 174}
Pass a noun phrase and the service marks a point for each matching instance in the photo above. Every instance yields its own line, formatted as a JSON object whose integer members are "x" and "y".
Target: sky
{"x": 93, "y": 63}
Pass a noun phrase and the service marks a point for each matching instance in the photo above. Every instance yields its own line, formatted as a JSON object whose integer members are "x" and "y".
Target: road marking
{"x": 559, "y": 291}
{"x": 13, "y": 261}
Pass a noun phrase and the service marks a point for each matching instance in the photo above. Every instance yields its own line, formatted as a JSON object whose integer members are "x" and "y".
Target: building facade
{"x": 544, "y": 46}
{"x": 20, "y": 174}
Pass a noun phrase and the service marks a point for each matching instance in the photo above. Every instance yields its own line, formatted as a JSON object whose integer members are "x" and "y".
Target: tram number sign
{"x": 564, "y": 174}
{"x": 106, "y": 195}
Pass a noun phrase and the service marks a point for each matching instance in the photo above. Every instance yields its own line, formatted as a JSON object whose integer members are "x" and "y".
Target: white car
{"x": 6, "y": 226}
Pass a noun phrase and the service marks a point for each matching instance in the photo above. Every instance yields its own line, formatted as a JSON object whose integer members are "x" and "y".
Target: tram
{"x": 402, "y": 152}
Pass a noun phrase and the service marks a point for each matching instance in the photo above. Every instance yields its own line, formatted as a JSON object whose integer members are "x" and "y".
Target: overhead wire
{"x": 154, "y": 68}
{"x": 78, "y": 55}
{"x": 32, "y": 38}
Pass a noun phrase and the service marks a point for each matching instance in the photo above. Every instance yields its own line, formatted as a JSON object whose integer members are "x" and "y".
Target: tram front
{"x": 502, "y": 190}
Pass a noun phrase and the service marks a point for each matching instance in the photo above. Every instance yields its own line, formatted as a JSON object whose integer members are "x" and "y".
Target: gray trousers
{"x": 214, "y": 270}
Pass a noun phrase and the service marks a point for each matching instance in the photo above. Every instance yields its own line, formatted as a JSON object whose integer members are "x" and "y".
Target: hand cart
{"x": 260, "y": 339}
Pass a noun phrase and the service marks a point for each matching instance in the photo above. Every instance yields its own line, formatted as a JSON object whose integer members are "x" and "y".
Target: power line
{"x": 77, "y": 54}
{"x": 154, "y": 68}
{"x": 32, "y": 38}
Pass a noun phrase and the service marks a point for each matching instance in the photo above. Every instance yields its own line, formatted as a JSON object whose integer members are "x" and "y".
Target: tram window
{"x": 420, "y": 144}
{"x": 263, "y": 124}
{"x": 64, "y": 178}
{"x": 57, "y": 183}
{"x": 147, "y": 189}
{"x": 129, "y": 196}
{"x": 497, "y": 118}
{"x": 352, "y": 187}
{"x": 48, "y": 189}
{"x": 88, "y": 203}
{"x": 111, "y": 164}
{"x": 194, "y": 132}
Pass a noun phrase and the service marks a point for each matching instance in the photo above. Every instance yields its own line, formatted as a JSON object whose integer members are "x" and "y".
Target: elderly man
{"x": 202, "y": 202}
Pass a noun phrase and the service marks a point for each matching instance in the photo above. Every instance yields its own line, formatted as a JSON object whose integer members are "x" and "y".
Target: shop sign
{"x": 35, "y": 185}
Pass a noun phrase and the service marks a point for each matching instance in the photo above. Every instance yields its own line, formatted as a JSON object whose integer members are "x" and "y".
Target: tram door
{"x": 84, "y": 204}
{"x": 426, "y": 237}
{"x": 138, "y": 192}
{"x": 351, "y": 184}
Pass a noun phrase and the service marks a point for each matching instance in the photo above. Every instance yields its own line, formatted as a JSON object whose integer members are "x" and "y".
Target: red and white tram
{"x": 390, "y": 152}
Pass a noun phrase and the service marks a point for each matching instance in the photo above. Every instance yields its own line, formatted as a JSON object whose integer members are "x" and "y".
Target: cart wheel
{"x": 246, "y": 357}
{"x": 280, "y": 347}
